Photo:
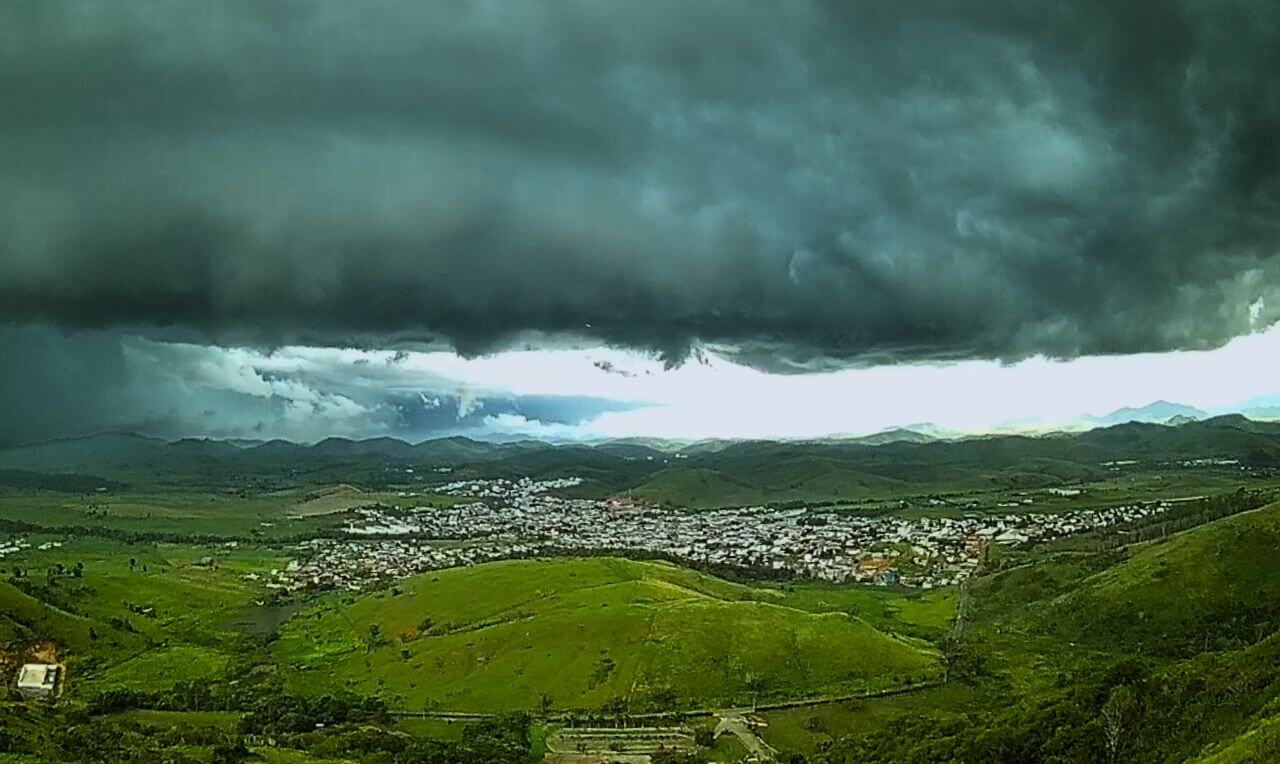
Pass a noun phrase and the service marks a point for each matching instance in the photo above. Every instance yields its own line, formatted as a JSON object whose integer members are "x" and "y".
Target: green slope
{"x": 697, "y": 487}
{"x": 1187, "y": 629}
{"x": 1212, "y": 587}
{"x": 24, "y": 618}
{"x": 1259, "y": 745}
{"x": 583, "y": 632}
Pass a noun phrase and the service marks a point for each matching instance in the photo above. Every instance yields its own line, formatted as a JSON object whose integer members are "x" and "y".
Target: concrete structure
{"x": 36, "y": 680}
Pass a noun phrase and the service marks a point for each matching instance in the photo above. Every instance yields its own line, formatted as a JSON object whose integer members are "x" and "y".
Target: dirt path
{"x": 695, "y": 712}
{"x": 734, "y": 723}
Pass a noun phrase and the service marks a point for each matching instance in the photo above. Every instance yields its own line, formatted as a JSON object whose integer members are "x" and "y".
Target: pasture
{"x": 588, "y": 633}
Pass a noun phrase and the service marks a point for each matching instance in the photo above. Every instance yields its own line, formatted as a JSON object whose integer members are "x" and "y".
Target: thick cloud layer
{"x": 799, "y": 184}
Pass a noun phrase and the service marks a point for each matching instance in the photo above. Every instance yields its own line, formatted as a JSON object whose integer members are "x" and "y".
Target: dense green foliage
{"x": 1119, "y": 710}
{"x": 326, "y": 729}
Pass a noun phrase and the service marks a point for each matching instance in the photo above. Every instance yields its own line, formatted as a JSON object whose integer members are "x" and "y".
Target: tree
{"x": 375, "y": 636}
{"x": 961, "y": 660}
{"x": 232, "y": 751}
{"x": 663, "y": 698}
{"x": 1118, "y": 714}
{"x": 615, "y": 706}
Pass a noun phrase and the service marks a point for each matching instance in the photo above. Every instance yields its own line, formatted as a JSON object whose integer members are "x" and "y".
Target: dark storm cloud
{"x": 54, "y": 385}
{"x": 799, "y": 184}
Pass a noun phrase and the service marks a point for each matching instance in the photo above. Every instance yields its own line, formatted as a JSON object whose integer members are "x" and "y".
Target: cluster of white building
{"x": 13, "y": 545}
{"x": 501, "y": 488}
{"x": 523, "y": 518}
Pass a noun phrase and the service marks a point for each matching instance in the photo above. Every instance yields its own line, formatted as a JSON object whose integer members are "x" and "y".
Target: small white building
{"x": 36, "y": 680}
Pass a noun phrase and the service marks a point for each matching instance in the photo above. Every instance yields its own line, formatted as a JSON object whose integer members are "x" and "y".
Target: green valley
{"x": 1127, "y": 615}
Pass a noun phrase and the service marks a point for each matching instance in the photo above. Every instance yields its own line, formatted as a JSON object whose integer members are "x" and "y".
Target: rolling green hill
{"x": 585, "y": 632}
{"x": 1211, "y": 587}
{"x": 24, "y": 618}
{"x": 697, "y": 487}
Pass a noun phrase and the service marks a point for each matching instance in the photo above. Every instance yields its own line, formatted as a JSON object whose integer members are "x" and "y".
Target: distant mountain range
{"x": 895, "y": 462}
{"x": 117, "y": 448}
{"x": 1159, "y": 412}
{"x": 109, "y": 448}
{"x": 1266, "y": 407}
{"x": 922, "y": 432}
{"x": 894, "y": 435}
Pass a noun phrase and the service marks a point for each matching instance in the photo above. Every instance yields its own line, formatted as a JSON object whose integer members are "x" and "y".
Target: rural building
{"x": 35, "y": 680}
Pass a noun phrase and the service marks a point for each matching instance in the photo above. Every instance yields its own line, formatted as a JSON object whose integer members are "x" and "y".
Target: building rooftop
{"x": 39, "y": 678}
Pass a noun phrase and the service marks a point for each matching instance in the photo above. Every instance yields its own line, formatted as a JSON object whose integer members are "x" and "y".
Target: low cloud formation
{"x": 54, "y": 384}
{"x": 801, "y": 185}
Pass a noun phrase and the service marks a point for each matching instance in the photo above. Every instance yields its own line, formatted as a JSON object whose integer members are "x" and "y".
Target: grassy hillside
{"x": 1260, "y": 744}
{"x": 1212, "y": 587}
{"x": 177, "y": 513}
{"x": 137, "y": 615}
{"x": 585, "y": 632}
{"x": 697, "y": 487}
{"x": 24, "y": 618}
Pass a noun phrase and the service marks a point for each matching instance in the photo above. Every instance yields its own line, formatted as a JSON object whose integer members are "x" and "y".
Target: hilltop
{"x": 583, "y": 632}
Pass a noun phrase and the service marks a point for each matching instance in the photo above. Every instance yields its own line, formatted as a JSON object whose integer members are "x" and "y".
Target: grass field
{"x": 174, "y": 512}
{"x": 807, "y": 728}
{"x": 583, "y": 632}
{"x": 342, "y": 497}
{"x": 138, "y": 615}
{"x": 907, "y": 612}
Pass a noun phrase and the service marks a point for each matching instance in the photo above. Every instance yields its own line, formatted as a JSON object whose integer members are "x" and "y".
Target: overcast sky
{"x": 588, "y": 219}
